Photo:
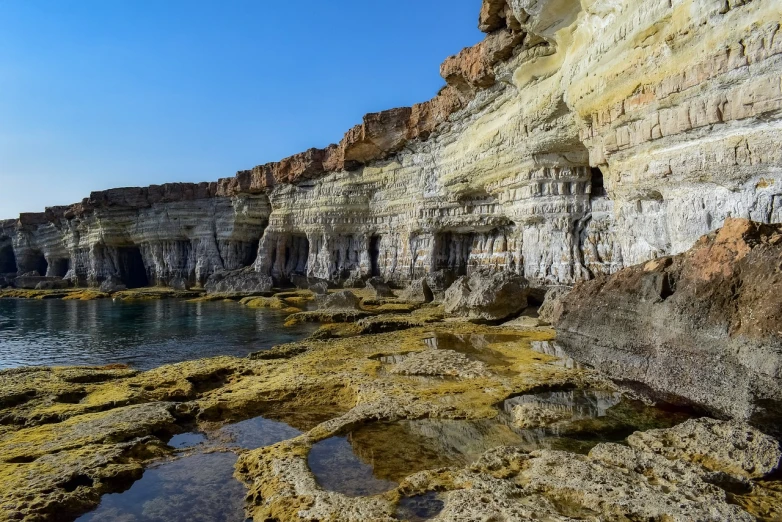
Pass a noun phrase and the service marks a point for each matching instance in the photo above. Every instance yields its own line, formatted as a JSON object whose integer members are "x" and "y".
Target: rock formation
{"x": 703, "y": 326}
{"x": 576, "y": 139}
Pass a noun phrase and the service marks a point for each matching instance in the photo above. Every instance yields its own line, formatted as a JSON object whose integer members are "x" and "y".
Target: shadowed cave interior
{"x": 7, "y": 260}
{"x": 131, "y": 267}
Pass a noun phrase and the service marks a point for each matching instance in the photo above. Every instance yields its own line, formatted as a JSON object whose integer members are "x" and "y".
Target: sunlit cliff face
{"x": 575, "y": 140}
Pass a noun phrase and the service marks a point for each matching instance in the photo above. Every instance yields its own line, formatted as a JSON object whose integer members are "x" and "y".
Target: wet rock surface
{"x": 420, "y": 410}
{"x": 702, "y": 326}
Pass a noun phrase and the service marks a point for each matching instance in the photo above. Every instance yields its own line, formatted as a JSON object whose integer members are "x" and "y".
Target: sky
{"x": 96, "y": 94}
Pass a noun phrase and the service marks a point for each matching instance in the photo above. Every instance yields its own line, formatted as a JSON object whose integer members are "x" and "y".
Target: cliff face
{"x": 576, "y": 139}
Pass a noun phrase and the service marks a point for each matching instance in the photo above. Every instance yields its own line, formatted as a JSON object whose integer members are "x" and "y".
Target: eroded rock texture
{"x": 703, "y": 325}
{"x": 576, "y": 139}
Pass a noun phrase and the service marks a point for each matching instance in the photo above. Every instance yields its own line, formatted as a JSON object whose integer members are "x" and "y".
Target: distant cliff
{"x": 576, "y": 139}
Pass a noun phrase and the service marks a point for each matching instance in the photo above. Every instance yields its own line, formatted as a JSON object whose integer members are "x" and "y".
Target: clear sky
{"x": 97, "y": 94}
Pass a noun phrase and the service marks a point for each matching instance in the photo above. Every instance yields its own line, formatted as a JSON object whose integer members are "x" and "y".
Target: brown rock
{"x": 702, "y": 327}
{"x": 492, "y": 15}
{"x": 473, "y": 67}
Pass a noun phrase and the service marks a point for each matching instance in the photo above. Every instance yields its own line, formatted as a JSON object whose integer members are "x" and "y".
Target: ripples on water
{"x": 143, "y": 334}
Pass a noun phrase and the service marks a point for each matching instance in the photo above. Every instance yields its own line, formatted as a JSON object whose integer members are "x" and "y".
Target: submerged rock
{"x": 702, "y": 327}
{"x": 487, "y": 296}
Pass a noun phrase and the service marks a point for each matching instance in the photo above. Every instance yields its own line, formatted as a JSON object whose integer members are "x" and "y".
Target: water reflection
{"x": 474, "y": 346}
{"x": 419, "y": 507}
{"x": 338, "y": 468}
{"x": 198, "y": 485}
{"x": 197, "y": 488}
{"x": 375, "y": 457}
{"x": 141, "y": 334}
{"x": 552, "y": 348}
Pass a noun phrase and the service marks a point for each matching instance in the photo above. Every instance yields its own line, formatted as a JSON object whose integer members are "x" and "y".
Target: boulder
{"x": 52, "y": 283}
{"x": 31, "y": 280}
{"x": 179, "y": 283}
{"x": 485, "y": 296}
{"x": 702, "y": 327}
{"x": 552, "y": 302}
{"x": 417, "y": 292}
{"x": 239, "y": 282}
{"x": 439, "y": 281}
{"x": 342, "y": 300}
{"x": 112, "y": 284}
{"x": 379, "y": 288}
{"x": 355, "y": 280}
{"x": 319, "y": 288}
{"x": 300, "y": 281}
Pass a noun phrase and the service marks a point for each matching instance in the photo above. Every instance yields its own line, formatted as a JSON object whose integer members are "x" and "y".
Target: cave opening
{"x": 8, "y": 260}
{"x": 60, "y": 267}
{"x": 598, "y": 184}
{"x": 131, "y": 267}
{"x": 452, "y": 252}
{"x": 297, "y": 255}
{"x": 36, "y": 262}
{"x": 374, "y": 256}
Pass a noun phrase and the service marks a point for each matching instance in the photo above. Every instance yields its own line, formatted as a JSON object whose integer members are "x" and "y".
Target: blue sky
{"x": 97, "y": 94}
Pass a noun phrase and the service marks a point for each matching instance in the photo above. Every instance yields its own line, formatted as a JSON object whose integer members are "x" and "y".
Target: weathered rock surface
{"x": 551, "y": 306}
{"x": 732, "y": 447}
{"x": 342, "y": 300}
{"x": 239, "y": 282}
{"x": 487, "y": 296}
{"x": 112, "y": 284}
{"x": 417, "y": 291}
{"x": 702, "y": 326}
{"x": 576, "y": 139}
{"x": 379, "y": 288}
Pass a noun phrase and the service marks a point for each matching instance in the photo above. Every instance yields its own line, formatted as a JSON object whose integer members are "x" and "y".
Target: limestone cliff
{"x": 576, "y": 139}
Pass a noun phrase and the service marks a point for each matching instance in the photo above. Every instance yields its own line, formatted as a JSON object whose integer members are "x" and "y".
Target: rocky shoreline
{"x": 70, "y": 435}
{"x": 552, "y": 292}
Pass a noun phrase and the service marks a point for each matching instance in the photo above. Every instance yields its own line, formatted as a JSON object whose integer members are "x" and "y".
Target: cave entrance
{"x": 36, "y": 262}
{"x": 598, "y": 185}
{"x": 7, "y": 260}
{"x": 60, "y": 267}
{"x": 452, "y": 252}
{"x": 131, "y": 267}
{"x": 296, "y": 255}
{"x": 374, "y": 256}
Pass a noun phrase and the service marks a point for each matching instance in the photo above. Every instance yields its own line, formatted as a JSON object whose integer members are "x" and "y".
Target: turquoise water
{"x": 142, "y": 334}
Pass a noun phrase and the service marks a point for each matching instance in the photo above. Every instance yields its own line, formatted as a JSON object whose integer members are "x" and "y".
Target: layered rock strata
{"x": 576, "y": 139}
{"x": 703, "y": 326}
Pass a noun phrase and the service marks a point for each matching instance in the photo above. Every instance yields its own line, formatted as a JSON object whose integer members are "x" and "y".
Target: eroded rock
{"x": 702, "y": 326}
{"x": 487, "y": 297}
{"x": 240, "y": 282}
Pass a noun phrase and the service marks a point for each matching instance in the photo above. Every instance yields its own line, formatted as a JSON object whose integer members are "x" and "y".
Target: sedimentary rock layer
{"x": 576, "y": 139}
{"x": 703, "y": 326}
